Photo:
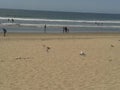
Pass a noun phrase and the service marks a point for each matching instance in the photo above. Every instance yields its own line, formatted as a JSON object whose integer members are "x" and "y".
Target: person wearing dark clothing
{"x": 65, "y": 29}
{"x": 8, "y": 20}
{"x": 12, "y": 20}
{"x": 4, "y": 31}
{"x": 45, "y": 28}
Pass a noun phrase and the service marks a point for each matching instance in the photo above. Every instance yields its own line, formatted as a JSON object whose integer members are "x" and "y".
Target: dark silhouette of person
{"x": 65, "y": 29}
{"x": 4, "y": 31}
{"x": 45, "y": 28}
{"x": 8, "y": 20}
{"x": 12, "y": 20}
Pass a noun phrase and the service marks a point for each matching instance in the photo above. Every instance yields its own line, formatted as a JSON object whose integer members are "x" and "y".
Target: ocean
{"x": 34, "y": 21}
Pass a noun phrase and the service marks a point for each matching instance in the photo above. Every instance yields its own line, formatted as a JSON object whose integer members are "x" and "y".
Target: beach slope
{"x": 60, "y": 62}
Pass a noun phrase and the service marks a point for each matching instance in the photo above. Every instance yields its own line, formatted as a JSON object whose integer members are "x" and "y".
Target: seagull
{"x": 82, "y": 53}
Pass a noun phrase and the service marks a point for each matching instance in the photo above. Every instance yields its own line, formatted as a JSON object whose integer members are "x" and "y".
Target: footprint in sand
{"x": 112, "y": 45}
{"x": 22, "y": 58}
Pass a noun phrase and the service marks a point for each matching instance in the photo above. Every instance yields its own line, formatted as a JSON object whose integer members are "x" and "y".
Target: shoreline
{"x": 58, "y": 36}
{"x": 66, "y": 34}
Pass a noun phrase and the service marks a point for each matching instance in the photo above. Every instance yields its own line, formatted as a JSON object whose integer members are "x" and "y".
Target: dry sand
{"x": 53, "y": 62}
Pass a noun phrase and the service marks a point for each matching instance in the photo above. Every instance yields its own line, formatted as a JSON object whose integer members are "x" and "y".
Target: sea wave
{"x": 63, "y": 20}
{"x": 57, "y": 25}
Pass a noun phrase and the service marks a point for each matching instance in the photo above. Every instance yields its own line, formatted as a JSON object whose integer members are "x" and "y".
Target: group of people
{"x": 65, "y": 30}
{"x": 11, "y": 20}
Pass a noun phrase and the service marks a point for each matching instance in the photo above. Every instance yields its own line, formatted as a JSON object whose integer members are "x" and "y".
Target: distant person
{"x": 45, "y": 27}
{"x": 8, "y": 20}
{"x": 65, "y": 29}
{"x": 12, "y": 20}
{"x": 4, "y": 31}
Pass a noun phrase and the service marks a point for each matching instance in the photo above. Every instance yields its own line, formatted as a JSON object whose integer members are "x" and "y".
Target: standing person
{"x": 45, "y": 28}
{"x": 12, "y": 20}
{"x": 4, "y": 31}
{"x": 8, "y": 20}
{"x": 65, "y": 29}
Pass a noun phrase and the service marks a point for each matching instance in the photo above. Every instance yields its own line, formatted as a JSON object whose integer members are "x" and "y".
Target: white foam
{"x": 61, "y": 20}
{"x": 57, "y": 25}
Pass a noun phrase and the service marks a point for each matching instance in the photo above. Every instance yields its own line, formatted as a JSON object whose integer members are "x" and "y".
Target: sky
{"x": 98, "y": 6}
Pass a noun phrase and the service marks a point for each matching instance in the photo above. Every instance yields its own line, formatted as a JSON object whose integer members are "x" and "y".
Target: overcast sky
{"x": 104, "y": 6}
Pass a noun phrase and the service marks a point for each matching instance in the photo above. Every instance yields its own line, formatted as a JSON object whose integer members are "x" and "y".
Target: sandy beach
{"x": 54, "y": 61}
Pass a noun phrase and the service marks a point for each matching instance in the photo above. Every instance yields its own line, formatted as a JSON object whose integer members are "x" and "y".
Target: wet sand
{"x": 54, "y": 61}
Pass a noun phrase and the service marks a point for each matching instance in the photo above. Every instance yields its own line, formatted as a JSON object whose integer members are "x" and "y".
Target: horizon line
{"x": 60, "y": 11}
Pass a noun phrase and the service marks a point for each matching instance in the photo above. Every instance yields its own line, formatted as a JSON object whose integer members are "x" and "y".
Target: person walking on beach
{"x": 45, "y": 28}
{"x": 4, "y": 31}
